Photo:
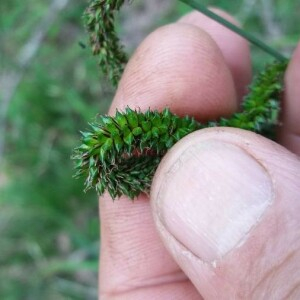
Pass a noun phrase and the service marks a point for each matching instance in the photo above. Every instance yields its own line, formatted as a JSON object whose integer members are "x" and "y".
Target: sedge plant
{"x": 120, "y": 153}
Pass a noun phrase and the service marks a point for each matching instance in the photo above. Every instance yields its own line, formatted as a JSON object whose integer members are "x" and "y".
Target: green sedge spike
{"x": 120, "y": 154}
{"x": 99, "y": 21}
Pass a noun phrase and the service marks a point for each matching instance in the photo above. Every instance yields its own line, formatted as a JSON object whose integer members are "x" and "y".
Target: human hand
{"x": 223, "y": 222}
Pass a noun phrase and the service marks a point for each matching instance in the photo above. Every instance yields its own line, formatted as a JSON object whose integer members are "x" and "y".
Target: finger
{"x": 289, "y": 135}
{"x": 235, "y": 49}
{"x": 226, "y": 203}
{"x": 181, "y": 67}
{"x": 178, "y": 66}
{"x": 134, "y": 264}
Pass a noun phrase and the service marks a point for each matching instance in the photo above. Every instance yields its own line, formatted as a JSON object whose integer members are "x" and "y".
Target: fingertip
{"x": 235, "y": 48}
{"x": 178, "y": 66}
{"x": 289, "y": 133}
{"x": 197, "y": 18}
{"x": 292, "y": 94}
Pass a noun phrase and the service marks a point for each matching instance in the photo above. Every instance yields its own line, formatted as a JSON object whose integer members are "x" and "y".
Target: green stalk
{"x": 200, "y": 7}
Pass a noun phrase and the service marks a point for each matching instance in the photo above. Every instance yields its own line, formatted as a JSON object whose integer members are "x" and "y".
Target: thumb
{"x": 226, "y": 203}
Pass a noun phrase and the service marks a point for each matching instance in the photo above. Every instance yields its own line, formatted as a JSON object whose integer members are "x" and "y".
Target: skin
{"x": 199, "y": 68}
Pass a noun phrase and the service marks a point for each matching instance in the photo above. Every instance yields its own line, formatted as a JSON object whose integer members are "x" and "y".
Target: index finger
{"x": 178, "y": 66}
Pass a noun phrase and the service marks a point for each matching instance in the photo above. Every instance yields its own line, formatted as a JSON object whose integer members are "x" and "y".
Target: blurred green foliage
{"x": 49, "y": 229}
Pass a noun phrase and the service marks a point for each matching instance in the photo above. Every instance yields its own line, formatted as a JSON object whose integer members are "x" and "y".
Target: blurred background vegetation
{"x": 50, "y": 87}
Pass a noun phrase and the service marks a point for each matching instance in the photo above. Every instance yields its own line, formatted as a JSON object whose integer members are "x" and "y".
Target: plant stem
{"x": 200, "y": 7}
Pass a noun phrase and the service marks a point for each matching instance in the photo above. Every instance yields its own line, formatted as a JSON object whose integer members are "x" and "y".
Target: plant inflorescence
{"x": 99, "y": 21}
{"x": 121, "y": 153}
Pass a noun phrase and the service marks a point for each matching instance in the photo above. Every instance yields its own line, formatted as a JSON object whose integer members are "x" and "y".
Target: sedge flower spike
{"x": 120, "y": 153}
{"x": 99, "y": 20}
